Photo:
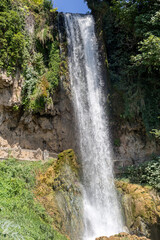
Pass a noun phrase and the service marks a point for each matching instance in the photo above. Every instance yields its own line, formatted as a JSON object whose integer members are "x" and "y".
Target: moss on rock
{"x": 67, "y": 157}
{"x": 141, "y": 207}
{"x": 59, "y": 190}
{"x": 123, "y": 236}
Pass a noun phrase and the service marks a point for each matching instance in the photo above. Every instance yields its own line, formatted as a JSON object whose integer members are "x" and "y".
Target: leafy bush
{"x": 36, "y": 57}
{"x": 41, "y": 70}
{"x": 156, "y": 132}
{"x": 45, "y": 34}
{"x": 5, "y": 5}
{"x": 53, "y": 74}
{"x": 33, "y": 69}
{"x": 146, "y": 173}
{"x": 150, "y": 53}
{"x": 40, "y": 96}
{"x": 40, "y": 82}
{"x": 12, "y": 41}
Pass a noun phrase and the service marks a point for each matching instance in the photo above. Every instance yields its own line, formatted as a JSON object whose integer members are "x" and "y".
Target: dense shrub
{"x": 41, "y": 82}
{"x": 12, "y": 39}
{"x": 35, "y": 56}
{"x": 146, "y": 173}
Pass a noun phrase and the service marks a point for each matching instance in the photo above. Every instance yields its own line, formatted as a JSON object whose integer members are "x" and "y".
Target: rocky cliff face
{"x": 51, "y": 129}
{"x": 131, "y": 143}
{"x": 141, "y": 208}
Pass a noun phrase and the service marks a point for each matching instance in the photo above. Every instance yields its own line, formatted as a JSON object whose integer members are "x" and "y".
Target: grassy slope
{"x": 21, "y": 217}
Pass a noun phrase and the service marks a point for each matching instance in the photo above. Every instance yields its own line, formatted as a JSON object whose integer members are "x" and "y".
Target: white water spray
{"x": 102, "y": 215}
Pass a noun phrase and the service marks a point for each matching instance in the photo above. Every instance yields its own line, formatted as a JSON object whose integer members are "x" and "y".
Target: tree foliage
{"x": 149, "y": 54}
{"x": 132, "y": 38}
{"x": 12, "y": 40}
{"x": 147, "y": 173}
{"x": 36, "y": 55}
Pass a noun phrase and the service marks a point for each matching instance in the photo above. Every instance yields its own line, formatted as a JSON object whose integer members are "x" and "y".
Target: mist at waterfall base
{"x": 102, "y": 215}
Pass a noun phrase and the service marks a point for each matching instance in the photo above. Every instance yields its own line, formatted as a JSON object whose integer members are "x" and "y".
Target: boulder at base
{"x": 141, "y": 208}
{"x": 123, "y": 236}
{"x": 59, "y": 190}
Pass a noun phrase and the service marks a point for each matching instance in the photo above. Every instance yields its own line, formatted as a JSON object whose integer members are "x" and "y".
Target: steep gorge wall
{"x": 50, "y": 129}
{"x": 53, "y": 128}
{"x": 131, "y": 142}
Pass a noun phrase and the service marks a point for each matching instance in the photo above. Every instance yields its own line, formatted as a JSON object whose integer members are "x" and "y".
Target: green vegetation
{"x": 156, "y": 132}
{"x": 40, "y": 83}
{"x": 146, "y": 173}
{"x": 21, "y": 216}
{"x": 32, "y": 53}
{"x": 12, "y": 39}
{"x": 117, "y": 142}
{"x": 132, "y": 39}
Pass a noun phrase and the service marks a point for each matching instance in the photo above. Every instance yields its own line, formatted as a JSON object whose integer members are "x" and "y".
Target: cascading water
{"x": 102, "y": 215}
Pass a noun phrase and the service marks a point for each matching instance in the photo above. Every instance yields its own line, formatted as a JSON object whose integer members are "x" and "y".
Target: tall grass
{"x": 21, "y": 216}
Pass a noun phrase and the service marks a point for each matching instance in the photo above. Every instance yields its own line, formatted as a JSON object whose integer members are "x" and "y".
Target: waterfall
{"x": 102, "y": 215}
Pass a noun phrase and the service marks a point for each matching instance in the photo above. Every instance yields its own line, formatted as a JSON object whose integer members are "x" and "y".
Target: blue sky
{"x": 73, "y": 6}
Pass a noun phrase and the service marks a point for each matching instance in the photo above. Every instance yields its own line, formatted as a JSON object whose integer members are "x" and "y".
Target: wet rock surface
{"x": 60, "y": 192}
{"x": 141, "y": 208}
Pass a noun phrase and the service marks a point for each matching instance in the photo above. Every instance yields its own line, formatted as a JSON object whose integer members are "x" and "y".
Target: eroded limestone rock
{"x": 141, "y": 207}
{"x": 10, "y": 89}
{"x": 123, "y": 236}
{"x": 131, "y": 143}
{"x": 5, "y": 81}
{"x": 51, "y": 129}
{"x": 60, "y": 192}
